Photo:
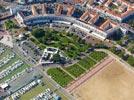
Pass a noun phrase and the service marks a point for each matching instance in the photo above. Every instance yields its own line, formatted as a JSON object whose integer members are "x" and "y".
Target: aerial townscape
{"x": 66, "y": 49}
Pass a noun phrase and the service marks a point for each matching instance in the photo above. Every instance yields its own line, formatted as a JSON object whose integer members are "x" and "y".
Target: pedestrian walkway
{"x": 68, "y": 73}
{"x": 6, "y": 39}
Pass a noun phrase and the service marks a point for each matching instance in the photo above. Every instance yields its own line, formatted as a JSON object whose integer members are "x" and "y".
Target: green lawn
{"x": 71, "y": 44}
{"x": 98, "y": 55}
{"x": 75, "y": 70}
{"x": 87, "y": 63}
{"x": 59, "y": 76}
{"x": 130, "y": 60}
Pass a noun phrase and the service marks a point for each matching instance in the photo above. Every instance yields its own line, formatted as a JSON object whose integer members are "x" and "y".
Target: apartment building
{"x": 117, "y": 10}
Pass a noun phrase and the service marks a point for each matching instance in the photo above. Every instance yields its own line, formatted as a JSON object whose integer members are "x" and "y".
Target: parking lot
{"x": 29, "y": 51}
{"x": 24, "y": 79}
{"x": 77, "y": 31}
{"x": 31, "y": 85}
{"x": 10, "y": 64}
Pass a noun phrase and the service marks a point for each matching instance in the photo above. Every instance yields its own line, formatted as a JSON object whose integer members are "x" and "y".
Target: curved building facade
{"x": 40, "y": 19}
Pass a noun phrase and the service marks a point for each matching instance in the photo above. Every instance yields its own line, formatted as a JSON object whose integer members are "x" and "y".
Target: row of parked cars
{"x": 10, "y": 69}
{"x": 78, "y": 32}
{"x": 6, "y": 59}
{"x": 30, "y": 49}
{"x": 14, "y": 77}
{"x": 47, "y": 95}
{"x": 25, "y": 89}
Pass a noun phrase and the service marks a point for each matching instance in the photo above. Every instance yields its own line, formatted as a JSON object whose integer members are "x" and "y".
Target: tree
{"x": 125, "y": 57}
{"x": 9, "y": 24}
{"x": 81, "y": 41}
{"x": 130, "y": 60}
{"x": 131, "y": 23}
{"x": 38, "y": 32}
{"x": 56, "y": 58}
{"x": 117, "y": 35}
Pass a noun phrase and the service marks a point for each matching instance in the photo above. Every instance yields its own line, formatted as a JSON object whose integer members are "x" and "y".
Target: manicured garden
{"x": 75, "y": 70}
{"x": 70, "y": 43}
{"x": 60, "y": 76}
{"x": 87, "y": 63}
{"x": 98, "y": 55}
{"x": 63, "y": 78}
